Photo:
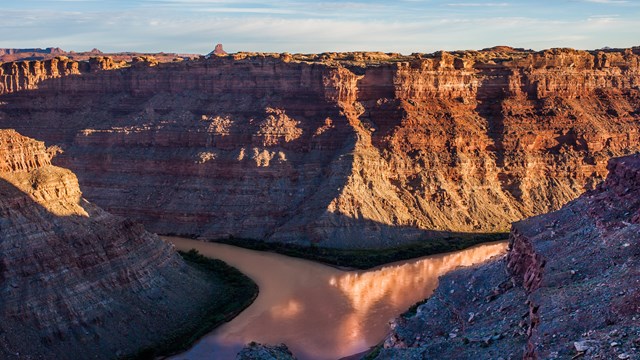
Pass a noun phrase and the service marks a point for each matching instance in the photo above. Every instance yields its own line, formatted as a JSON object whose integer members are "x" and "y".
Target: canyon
{"x": 360, "y": 150}
{"x": 343, "y": 150}
{"x": 569, "y": 287}
{"x": 76, "y": 281}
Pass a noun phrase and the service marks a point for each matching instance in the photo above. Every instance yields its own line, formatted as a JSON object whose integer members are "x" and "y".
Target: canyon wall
{"x": 569, "y": 287}
{"x": 26, "y": 75}
{"x": 76, "y": 281}
{"x": 341, "y": 150}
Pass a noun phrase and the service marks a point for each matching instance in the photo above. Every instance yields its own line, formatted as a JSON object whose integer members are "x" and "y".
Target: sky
{"x": 308, "y": 26}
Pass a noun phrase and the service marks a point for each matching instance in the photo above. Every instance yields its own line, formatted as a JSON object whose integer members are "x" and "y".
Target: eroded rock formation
{"x": 569, "y": 287}
{"x": 218, "y": 50}
{"x": 26, "y": 75}
{"x": 342, "y": 150}
{"x": 76, "y": 281}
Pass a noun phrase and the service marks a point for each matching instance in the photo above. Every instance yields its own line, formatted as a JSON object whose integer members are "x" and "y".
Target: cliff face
{"x": 344, "y": 150}
{"x": 76, "y": 281}
{"x": 26, "y": 75}
{"x": 571, "y": 287}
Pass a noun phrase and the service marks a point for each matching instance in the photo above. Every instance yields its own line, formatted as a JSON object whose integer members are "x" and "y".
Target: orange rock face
{"x": 20, "y": 153}
{"x": 343, "y": 150}
{"x": 75, "y": 279}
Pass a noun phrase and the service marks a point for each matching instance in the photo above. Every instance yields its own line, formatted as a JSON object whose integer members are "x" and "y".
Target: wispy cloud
{"x": 608, "y": 1}
{"x": 479, "y": 4}
{"x": 312, "y": 26}
{"x": 249, "y": 11}
{"x": 206, "y": 2}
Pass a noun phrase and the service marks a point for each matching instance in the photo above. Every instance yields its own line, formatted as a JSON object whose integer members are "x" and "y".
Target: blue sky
{"x": 406, "y": 26}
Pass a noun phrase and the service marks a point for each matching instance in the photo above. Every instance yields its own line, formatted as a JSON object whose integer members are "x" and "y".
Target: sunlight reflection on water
{"x": 322, "y": 312}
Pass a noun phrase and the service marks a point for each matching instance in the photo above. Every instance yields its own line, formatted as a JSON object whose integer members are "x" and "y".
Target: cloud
{"x": 608, "y": 1}
{"x": 479, "y": 4}
{"x": 249, "y": 10}
{"x": 206, "y": 2}
{"x": 299, "y": 26}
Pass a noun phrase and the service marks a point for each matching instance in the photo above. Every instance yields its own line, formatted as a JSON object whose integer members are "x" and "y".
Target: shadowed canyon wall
{"x": 342, "y": 150}
{"x": 569, "y": 287}
{"x": 76, "y": 281}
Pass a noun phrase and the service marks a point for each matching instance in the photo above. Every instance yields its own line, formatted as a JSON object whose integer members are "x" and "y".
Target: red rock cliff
{"x": 76, "y": 281}
{"x": 346, "y": 150}
{"x": 26, "y": 75}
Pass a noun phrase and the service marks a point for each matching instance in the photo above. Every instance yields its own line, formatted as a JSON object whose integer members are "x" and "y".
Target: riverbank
{"x": 363, "y": 259}
{"x": 237, "y": 292}
{"x": 319, "y": 311}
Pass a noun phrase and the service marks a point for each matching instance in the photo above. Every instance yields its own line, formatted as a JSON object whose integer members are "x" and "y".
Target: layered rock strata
{"x": 341, "y": 150}
{"x": 76, "y": 281}
{"x": 569, "y": 287}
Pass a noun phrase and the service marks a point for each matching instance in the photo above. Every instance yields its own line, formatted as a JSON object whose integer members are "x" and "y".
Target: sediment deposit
{"x": 338, "y": 149}
{"x": 76, "y": 281}
{"x": 568, "y": 288}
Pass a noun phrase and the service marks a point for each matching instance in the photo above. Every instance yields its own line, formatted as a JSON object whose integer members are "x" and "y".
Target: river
{"x": 321, "y": 312}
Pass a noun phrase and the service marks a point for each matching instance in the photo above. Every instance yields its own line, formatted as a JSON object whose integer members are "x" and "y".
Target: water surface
{"x": 321, "y": 312}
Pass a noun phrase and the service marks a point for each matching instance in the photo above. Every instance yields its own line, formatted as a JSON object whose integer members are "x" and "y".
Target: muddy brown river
{"x": 321, "y": 312}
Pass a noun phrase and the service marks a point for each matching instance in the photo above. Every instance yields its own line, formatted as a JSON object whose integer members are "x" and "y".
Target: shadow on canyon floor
{"x": 87, "y": 276}
{"x": 401, "y": 243}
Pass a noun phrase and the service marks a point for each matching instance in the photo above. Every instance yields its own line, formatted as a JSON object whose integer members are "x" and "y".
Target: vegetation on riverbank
{"x": 373, "y": 352}
{"x": 368, "y": 258}
{"x": 236, "y": 293}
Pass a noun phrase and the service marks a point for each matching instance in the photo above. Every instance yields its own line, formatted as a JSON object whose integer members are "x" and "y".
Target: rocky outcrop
{"x": 569, "y": 287}
{"x": 22, "y": 154}
{"x": 218, "y": 50}
{"x": 26, "y": 75}
{"x": 255, "y": 351}
{"x": 76, "y": 281}
{"x": 339, "y": 149}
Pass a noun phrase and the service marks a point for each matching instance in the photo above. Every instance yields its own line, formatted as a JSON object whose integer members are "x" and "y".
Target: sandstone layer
{"x": 75, "y": 281}
{"x": 568, "y": 288}
{"x": 337, "y": 149}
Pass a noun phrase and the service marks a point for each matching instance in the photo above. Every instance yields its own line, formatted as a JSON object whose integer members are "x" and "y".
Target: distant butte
{"x": 503, "y": 49}
{"x": 217, "y": 51}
